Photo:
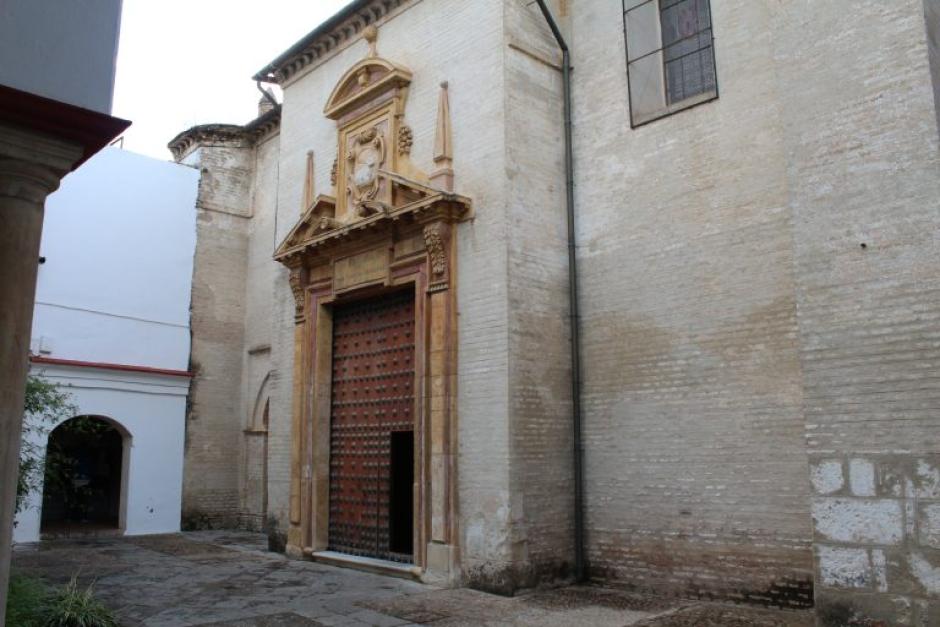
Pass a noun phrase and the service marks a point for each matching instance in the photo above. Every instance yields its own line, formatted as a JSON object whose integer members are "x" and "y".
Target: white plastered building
{"x": 111, "y": 322}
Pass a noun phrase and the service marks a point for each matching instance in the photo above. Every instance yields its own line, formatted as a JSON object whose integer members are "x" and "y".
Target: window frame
{"x": 637, "y": 121}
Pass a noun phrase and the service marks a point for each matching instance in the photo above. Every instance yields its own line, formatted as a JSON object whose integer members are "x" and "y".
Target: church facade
{"x": 382, "y": 316}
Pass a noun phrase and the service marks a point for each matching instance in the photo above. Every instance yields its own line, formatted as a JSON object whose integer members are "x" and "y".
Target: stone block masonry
{"x": 878, "y": 538}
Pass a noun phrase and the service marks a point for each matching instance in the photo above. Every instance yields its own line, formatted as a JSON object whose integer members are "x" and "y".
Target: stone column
{"x": 31, "y": 167}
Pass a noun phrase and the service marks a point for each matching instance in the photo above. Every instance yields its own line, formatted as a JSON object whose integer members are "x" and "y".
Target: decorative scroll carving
{"x": 297, "y": 288}
{"x": 334, "y": 172}
{"x": 437, "y": 254}
{"x": 405, "y": 140}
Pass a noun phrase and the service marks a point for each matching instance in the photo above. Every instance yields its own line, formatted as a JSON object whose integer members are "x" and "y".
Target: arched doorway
{"x": 84, "y": 477}
{"x": 255, "y": 495}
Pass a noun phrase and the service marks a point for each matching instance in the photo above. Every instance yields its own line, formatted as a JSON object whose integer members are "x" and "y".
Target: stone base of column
{"x": 441, "y": 568}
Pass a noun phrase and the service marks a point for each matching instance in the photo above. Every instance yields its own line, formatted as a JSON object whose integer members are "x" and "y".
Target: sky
{"x": 186, "y": 62}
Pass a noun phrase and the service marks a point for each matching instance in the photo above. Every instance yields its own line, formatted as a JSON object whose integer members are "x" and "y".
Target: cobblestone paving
{"x": 228, "y": 579}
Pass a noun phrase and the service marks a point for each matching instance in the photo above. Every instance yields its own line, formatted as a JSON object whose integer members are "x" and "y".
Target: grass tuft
{"x": 76, "y": 607}
{"x": 31, "y": 603}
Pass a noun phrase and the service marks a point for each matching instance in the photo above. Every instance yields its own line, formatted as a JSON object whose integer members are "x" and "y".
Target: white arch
{"x": 150, "y": 409}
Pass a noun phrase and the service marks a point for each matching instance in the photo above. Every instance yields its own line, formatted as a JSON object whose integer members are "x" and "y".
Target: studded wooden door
{"x": 372, "y": 406}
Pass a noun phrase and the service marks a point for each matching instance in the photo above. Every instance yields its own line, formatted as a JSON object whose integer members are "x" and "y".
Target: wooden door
{"x": 372, "y": 413}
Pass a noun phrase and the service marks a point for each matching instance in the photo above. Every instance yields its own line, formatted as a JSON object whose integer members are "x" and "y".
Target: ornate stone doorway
{"x": 372, "y": 422}
{"x": 369, "y": 263}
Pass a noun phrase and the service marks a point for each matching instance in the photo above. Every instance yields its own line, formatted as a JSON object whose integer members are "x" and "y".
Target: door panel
{"x": 372, "y": 399}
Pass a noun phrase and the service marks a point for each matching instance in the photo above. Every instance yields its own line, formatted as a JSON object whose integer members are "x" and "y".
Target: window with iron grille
{"x": 670, "y": 56}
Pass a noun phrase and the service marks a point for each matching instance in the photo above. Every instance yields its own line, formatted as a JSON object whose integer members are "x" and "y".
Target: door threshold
{"x": 368, "y": 564}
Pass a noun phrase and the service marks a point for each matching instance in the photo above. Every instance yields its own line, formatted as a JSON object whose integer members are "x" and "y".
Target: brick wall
{"x": 539, "y": 350}
{"x": 756, "y": 382}
{"x": 695, "y": 459}
{"x": 758, "y": 285}
{"x": 211, "y": 471}
{"x": 863, "y": 172}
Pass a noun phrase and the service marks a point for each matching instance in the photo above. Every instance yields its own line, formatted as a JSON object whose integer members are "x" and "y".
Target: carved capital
{"x": 27, "y": 181}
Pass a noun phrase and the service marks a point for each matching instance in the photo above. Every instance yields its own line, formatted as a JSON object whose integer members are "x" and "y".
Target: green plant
{"x": 26, "y": 602}
{"x": 46, "y": 404}
{"x": 76, "y": 607}
{"x": 64, "y": 475}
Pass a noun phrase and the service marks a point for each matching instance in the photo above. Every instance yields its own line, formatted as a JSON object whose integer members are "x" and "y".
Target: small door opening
{"x": 83, "y": 477}
{"x": 401, "y": 493}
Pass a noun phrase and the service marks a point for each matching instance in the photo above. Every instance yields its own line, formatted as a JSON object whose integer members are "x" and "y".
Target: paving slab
{"x": 229, "y": 579}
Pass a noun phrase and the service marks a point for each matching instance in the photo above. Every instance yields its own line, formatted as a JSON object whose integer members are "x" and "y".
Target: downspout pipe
{"x": 267, "y": 95}
{"x": 580, "y": 569}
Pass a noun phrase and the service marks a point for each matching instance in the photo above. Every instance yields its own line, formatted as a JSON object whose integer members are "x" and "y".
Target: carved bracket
{"x": 298, "y": 289}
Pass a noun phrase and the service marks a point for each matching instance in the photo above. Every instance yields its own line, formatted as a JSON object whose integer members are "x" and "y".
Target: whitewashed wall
{"x": 61, "y": 49}
{"x": 119, "y": 241}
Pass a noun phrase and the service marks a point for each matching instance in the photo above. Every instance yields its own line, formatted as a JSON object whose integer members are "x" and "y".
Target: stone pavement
{"x": 216, "y": 579}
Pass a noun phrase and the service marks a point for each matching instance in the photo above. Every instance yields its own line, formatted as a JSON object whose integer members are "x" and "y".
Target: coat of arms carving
{"x": 365, "y": 158}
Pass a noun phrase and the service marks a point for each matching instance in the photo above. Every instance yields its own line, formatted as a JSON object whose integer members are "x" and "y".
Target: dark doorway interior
{"x": 401, "y": 496}
{"x": 82, "y": 483}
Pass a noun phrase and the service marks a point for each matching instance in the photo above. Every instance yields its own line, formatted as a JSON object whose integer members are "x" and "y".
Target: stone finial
{"x": 371, "y": 35}
{"x": 309, "y": 185}
{"x": 443, "y": 175}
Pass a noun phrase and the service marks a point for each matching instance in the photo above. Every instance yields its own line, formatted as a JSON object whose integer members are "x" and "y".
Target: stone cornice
{"x": 334, "y": 34}
{"x": 245, "y": 136}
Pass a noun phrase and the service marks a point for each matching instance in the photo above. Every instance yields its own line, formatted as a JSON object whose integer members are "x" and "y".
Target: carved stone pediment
{"x": 361, "y": 84}
{"x": 316, "y": 220}
{"x": 376, "y": 186}
{"x": 420, "y": 204}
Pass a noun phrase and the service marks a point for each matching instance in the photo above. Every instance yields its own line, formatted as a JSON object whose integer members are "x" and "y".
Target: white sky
{"x": 187, "y": 62}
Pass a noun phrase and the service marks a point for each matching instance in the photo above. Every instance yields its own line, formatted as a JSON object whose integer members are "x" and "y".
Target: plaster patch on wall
{"x": 926, "y": 573}
{"x": 486, "y": 532}
{"x": 844, "y": 568}
{"x": 827, "y": 477}
{"x": 926, "y": 481}
{"x": 862, "y": 477}
{"x": 929, "y": 525}
{"x": 879, "y": 564}
{"x": 859, "y": 522}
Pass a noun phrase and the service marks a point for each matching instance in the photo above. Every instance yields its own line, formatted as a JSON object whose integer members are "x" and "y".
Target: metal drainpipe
{"x": 579, "y": 560}
{"x": 267, "y": 95}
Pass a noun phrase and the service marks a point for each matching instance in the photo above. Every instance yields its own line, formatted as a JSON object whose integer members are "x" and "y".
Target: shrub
{"x": 46, "y": 404}
{"x": 76, "y": 607}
